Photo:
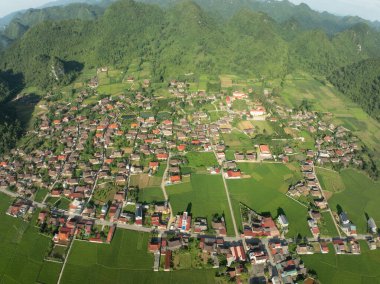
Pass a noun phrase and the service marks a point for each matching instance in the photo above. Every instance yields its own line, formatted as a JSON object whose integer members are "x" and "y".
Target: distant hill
{"x": 21, "y": 22}
{"x": 281, "y": 11}
{"x": 187, "y": 38}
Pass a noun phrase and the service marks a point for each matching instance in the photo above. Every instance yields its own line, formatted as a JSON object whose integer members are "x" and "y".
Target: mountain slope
{"x": 185, "y": 38}
{"x": 361, "y": 83}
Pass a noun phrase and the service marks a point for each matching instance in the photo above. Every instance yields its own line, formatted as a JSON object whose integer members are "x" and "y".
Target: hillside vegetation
{"x": 361, "y": 82}
{"x": 184, "y": 38}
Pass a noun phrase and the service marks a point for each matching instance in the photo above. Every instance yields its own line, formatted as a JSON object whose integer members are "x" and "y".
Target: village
{"x": 83, "y": 168}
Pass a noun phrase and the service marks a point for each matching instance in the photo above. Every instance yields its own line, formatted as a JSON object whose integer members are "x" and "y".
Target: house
{"x": 237, "y": 95}
{"x": 372, "y": 228}
{"x": 238, "y": 253}
{"x": 233, "y": 174}
{"x": 265, "y": 153}
{"x": 184, "y": 222}
{"x": 258, "y": 111}
{"x": 283, "y": 221}
{"x": 162, "y": 156}
{"x": 139, "y": 215}
{"x": 175, "y": 179}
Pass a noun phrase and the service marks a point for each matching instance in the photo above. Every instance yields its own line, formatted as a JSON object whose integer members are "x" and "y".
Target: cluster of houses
{"x": 255, "y": 225}
{"x": 334, "y": 144}
{"x": 309, "y": 187}
{"x": 21, "y": 208}
{"x": 64, "y": 228}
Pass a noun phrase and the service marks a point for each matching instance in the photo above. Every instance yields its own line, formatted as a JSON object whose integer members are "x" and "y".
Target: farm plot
{"x": 125, "y": 260}
{"x": 203, "y": 196}
{"x": 332, "y": 268}
{"x": 359, "y": 197}
{"x": 23, "y": 250}
{"x": 265, "y": 191}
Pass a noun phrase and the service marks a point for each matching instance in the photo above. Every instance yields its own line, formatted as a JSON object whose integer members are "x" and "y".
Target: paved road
{"x": 329, "y": 210}
{"x": 229, "y": 200}
{"x": 123, "y": 226}
{"x": 164, "y": 191}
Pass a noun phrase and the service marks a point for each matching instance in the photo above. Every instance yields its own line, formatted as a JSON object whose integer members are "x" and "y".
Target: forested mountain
{"x": 361, "y": 82}
{"x": 280, "y": 11}
{"x": 22, "y": 22}
{"x": 185, "y": 38}
{"x": 10, "y": 127}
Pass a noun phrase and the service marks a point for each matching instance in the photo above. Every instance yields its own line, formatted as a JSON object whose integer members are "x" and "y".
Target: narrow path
{"x": 332, "y": 215}
{"x": 230, "y": 205}
{"x": 229, "y": 200}
{"x": 64, "y": 263}
{"x": 163, "y": 188}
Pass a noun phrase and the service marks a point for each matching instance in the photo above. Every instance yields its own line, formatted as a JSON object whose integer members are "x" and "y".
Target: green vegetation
{"x": 40, "y": 194}
{"x": 265, "y": 191}
{"x": 330, "y": 180}
{"x": 23, "y": 251}
{"x": 359, "y": 197}
{"x": 332, "y": 268}
{"x": 237, "y": 140}
{"x": 201, "y": 160}
{"x": 151, "y": 194}
{"x": 125, "y": 260}
{"x": 327, "y": 225}
{"x": 345, "y": 112}
{"x": 361, "y": 83}
{"x": 203, "y": 196}
{"x": 186, "y": 39}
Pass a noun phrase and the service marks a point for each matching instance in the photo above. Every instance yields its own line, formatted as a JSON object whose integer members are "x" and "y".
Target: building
{"x": 265, "y": 153}
{"x": 283, "y": 221}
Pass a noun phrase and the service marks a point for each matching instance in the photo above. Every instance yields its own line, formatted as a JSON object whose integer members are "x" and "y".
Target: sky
{"x": 368, "y": 9}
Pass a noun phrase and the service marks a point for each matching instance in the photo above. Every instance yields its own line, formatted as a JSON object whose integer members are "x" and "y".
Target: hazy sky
{"x": 368, "y": 9}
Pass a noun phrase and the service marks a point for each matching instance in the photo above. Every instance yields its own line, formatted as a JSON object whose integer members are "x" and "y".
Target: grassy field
{"x": 345, "y": 111}
{"x": 359, "y": 196}
{"x": 40, "y": 194}
{"x": 265, "y": 192}
{"x": 151, "y": 194}
{"x": 262, "y": 126}
{"x": 125, "y": 260}
{"x": 201, "y": 160}
{"x": 204, "y": 194}
{"x": 23, "y": 250}
{"x": 332, "y": 268}
{"x": 330, "y": 180}
{"x": 237, "y": 141}
{"x": 328, "y": 227}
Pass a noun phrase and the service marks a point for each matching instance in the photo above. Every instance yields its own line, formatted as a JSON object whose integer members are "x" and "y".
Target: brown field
{"x": 245, "y": 125}
{"x": 226, "y": 82}
{"x": 144, "y": 181}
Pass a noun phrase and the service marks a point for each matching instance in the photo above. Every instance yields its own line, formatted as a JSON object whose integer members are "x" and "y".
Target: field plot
{"x": 265, "y": 192}
{"x": 346, "y": 112}
{"x": 201, "y": 160}
{"x": 151, "y": 194}
{"x": 125, "y": 260}
{"x": 332, "y": 268}
{"x": 144, "y": 180}
{"x": 237, "y": 141}
{"x": 23, "y": 250}
{"x": 359, "y": 197}
{"x": 263, "y": 127}
{"x": 203, "y": 196}
{"x": 330, "y": 180}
